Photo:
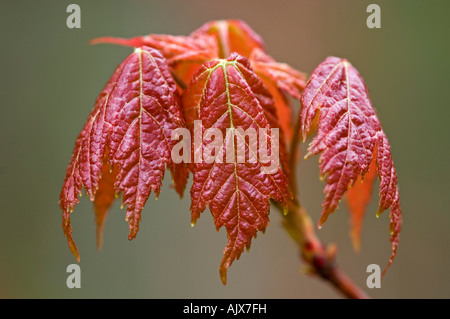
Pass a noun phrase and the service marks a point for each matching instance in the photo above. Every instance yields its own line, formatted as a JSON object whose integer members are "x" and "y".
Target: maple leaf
{"x": 232, "y": 36}
{"x": 226, "y": 94}
{"x": 129, "y": 132}
{"x": 279, "y": 78}
{"x": 348, "y": 134}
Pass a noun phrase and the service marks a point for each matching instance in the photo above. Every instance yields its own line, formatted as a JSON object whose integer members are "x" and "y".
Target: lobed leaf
{"x": 227, "y": 94}
{"x": 129, "y": 130}
{"x": 348, "y": 133}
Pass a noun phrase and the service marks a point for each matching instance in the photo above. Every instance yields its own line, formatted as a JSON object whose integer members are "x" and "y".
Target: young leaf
{"x": 141, "y": 138}
{"x": 348, "y": 133}
{"x": 226, "y": 94}
{"x": 88, "y": 157}
{"x": 130, "y": 130}
{"x": 232, "y": 36}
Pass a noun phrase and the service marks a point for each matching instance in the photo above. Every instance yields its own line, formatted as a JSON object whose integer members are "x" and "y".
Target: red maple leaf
{"x": 238, "y": 194}
{"x": 129, "y": 130}
{"x": 348, "y": 132}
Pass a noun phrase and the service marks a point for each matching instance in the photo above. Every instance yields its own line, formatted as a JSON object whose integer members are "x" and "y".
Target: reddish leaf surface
{"x": 389, "y": 194}
{"x": 268, "y": 104}
{"x": 87, "y": 158}
{"x": 129, "y": 129}
{"x": 232, "y": 36}
{"x": 348, "y": 133}
{"x": 227, "y": 94}
{"x": 279, "y": 78}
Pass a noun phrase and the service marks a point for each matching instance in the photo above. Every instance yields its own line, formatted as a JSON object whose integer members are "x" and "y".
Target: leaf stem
{"x": 294, "y": 159}
{"x": 320, "y": 260}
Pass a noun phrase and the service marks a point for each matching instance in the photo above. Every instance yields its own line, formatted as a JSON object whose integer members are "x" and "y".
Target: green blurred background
{"x": 50, "y": 78}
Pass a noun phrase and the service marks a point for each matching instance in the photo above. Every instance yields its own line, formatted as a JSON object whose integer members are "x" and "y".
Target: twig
{"x": 321, "y": 260}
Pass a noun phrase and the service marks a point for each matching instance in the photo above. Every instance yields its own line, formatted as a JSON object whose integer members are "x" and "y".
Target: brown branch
{"x": 320, "y": 260}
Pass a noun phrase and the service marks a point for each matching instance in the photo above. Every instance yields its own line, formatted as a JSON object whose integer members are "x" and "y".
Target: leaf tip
{"x": 223, "y": 275}
{"x": 378, "y": 213}
{"x": 73, "y": 248}
{"x": 323, "y": 219}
